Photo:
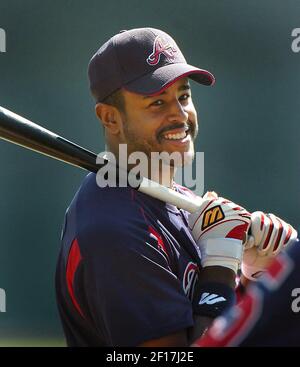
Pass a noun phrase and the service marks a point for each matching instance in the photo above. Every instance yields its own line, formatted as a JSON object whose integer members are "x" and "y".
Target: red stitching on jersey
{"x": 160, "y": 241}
{"x": 151, "y": 230}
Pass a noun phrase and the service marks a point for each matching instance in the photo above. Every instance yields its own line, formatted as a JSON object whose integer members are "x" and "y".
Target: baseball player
{"x": 133, "y": 270}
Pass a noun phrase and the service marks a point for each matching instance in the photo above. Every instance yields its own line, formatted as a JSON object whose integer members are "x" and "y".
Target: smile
{"x": 177, "y": 134}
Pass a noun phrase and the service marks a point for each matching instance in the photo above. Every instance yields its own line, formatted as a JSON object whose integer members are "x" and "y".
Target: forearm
{"x": 216, "y": 274}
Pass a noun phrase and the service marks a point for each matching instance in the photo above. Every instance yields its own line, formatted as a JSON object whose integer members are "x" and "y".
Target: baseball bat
{"x": 18, "y": 130}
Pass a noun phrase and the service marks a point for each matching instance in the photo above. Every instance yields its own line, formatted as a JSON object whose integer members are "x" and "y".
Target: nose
{"x": 177, "y": 113}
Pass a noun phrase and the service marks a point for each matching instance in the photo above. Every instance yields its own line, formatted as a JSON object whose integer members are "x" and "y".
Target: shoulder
{"x": 106, "y": 216}
{"x": 92, "y": 201}
{"x": 108, "y": 220}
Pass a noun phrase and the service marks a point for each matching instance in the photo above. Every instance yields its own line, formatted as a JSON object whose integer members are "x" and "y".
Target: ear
{"x": 109, "y": 116}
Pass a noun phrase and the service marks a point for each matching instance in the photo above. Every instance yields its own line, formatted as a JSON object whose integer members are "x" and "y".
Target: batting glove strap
{"x": 212, "y": 299}
{"x": 226, "y": 252}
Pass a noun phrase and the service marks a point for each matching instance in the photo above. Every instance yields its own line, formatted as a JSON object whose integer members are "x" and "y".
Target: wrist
{"x": 211, "y": 299}
{"x": 223, "y": 252}
{"x": 218, "y": 274}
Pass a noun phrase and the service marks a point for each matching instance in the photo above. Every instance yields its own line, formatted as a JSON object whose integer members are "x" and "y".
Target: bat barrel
{"x": 18, "y": 130}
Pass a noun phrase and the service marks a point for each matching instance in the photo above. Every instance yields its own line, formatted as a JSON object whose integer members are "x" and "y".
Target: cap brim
{"x": 161, "y": 78}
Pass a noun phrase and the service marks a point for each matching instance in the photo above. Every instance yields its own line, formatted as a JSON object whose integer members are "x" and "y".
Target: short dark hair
{"x": 116, "y": 99}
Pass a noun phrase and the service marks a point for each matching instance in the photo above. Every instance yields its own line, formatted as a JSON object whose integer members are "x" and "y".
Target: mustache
{"x": 189, "y": 126}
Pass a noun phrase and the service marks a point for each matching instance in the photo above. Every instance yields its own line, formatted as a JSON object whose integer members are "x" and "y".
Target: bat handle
{"x": 170, "y": 196}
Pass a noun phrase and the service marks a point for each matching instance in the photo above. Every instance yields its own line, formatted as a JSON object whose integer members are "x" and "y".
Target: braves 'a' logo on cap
{"x": 161, "y": 47}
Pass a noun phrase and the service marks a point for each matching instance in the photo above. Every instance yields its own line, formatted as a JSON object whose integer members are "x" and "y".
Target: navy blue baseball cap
{"x": 142, "y": 60}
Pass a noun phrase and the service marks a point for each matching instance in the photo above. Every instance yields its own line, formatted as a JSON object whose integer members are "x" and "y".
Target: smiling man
{"x": 139, "y": 79}
{"x": 130, "y": 271}
{"x": 162, "y": 127}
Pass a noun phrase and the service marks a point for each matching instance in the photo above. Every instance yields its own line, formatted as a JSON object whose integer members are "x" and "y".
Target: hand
{"x": 269, "y": 236}
{"x": 219, "y": 228}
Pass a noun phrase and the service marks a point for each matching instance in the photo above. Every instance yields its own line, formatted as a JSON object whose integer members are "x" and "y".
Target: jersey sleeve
{"x": 131, "y": 292}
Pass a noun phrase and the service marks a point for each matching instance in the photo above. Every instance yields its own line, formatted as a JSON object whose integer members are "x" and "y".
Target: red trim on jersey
{"x": 151, "y": 230}
{"x": 159, "y": 239}
{"x": 72, "y": 265}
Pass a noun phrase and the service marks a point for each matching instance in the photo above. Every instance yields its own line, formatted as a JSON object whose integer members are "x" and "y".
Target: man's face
{"x": 163, "y": 123}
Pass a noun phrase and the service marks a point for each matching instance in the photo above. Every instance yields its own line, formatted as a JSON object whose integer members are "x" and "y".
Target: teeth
{"x": 175, "y": 136}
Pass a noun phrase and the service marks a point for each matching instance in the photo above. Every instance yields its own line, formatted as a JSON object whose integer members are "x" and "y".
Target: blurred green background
{"x": 249, "y": 122}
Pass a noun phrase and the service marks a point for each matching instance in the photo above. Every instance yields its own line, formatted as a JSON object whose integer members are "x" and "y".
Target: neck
{"x": 162, "y": 173}
{"x": 153, "y": 169}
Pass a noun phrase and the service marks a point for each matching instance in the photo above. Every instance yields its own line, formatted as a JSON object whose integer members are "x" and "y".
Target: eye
{"x": 184, "y": 97}
{"x": 158, "y": 102}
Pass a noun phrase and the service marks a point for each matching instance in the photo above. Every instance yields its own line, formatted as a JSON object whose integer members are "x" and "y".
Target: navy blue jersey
{"x": 126, "y": 269}
{"x": 269, "y": 312}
